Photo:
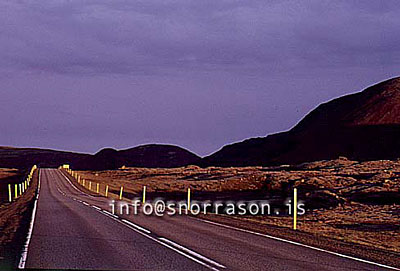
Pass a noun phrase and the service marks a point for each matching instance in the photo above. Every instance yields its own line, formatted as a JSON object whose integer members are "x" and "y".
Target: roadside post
{"x": 188, "y": 198}
{"x": 97, "y": 188}
{"x": 9, "y": 193}
{"x": 144, "y": 195}
{"x": 15, "y": 191}
{"x": 120, "y": 193}
{"x": 106, "y": 190}
{"x": 295, "y": 209}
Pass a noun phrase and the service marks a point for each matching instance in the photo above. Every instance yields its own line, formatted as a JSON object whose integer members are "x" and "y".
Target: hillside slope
{"x": 360, "y": 126}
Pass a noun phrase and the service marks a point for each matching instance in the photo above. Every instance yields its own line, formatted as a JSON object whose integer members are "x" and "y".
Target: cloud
{"x": 151, "y": 37}
{"x": 81, "y": 75}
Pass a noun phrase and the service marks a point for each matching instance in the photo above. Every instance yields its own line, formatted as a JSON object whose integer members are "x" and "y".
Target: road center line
{"x": 191, "y": 252}
{"x": 160, "y": 242}
{"x": 136, "y": 226}
{"x": 110, "y": 214}
{"x": 80, "y": 191}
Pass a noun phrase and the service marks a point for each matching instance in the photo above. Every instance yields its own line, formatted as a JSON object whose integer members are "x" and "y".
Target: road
{"x": 72, "y": 230}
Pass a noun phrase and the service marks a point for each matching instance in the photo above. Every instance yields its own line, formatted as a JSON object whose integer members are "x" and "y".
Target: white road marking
{"x": 162, "y": 243}
{"x": 191, "y": 252}
{"x": 62, "y": 193}
{"x": 110, "y": 214}
{"x": 297, "y": 244}
{"x": 80, "y": 191}
{"x": 24, "y": 254}
{"x": 136, "y": 226}
{"x": 97, "y": 208}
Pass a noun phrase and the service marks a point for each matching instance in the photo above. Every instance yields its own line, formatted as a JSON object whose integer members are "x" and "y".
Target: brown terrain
{"x": 356, "y": 203}
{"x": 14, "y": 217}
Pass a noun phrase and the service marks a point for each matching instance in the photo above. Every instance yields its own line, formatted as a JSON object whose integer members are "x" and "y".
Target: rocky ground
{"x": 356, "y": 202}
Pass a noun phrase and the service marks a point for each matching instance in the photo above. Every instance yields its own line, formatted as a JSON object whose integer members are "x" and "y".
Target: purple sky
{"x": 83, "y": 75}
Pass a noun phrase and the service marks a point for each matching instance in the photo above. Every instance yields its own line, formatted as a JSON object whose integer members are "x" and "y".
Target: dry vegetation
{"x": 8, "y": 176}
{"x": 347, "y": 200}
{"x": 14, "y": 217}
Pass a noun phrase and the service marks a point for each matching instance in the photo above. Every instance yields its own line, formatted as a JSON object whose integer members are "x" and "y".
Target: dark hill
{"x": 142, "y": 156}
{"x": 155, "y": 155}
{"x": 152, "y": 156}
{"x": 27, "y": 157}
{"x": 360, "y": 126}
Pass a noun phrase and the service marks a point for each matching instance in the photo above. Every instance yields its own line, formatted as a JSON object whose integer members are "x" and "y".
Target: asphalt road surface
{"x": 73, "y": 230}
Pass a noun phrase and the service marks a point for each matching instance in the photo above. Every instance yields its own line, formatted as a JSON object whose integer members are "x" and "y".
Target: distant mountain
{"x": 27, "y": 157}
{"x": 153, "y": 155}
{"x": 360, "y": 126}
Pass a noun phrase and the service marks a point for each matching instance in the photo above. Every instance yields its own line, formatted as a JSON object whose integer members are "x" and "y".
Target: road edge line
{"x": 298, "y": 244}
{"x": 24, "y": 253}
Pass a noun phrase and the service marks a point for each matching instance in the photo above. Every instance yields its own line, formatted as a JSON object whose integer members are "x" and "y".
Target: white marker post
{"x": 295, "y": 209}
{"x": 120, "y": 193}
{"x": 188, "y": 198}
{"x": 9, "y": 193}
